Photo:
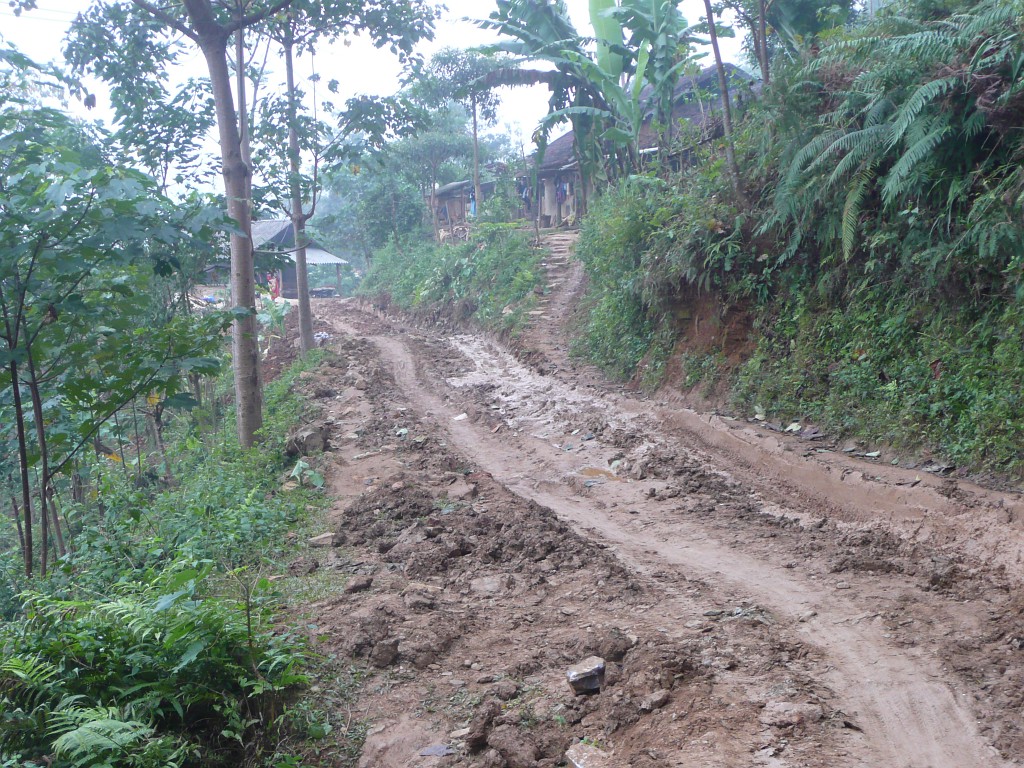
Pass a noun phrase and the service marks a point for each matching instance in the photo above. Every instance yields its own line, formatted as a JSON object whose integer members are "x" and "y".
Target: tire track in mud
{"x": 897, "y": 697}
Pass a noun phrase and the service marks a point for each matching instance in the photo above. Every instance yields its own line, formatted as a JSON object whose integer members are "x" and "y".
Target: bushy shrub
{"x": 492, "y": 276}
{"x": 877, "y": 243}
{"x": 152, "y": 644}
{"x": 155, "y": 674}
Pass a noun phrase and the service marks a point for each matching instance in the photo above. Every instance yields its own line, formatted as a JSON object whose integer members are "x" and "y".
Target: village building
{"x": 277, "y": 237}
{"x": 696, "y": 105}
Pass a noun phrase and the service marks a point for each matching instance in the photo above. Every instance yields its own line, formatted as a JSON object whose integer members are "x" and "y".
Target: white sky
{"x": 360, "y": 68}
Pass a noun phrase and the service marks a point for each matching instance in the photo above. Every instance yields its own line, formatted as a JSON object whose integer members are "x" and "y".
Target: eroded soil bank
{"x": 755, "y": 602}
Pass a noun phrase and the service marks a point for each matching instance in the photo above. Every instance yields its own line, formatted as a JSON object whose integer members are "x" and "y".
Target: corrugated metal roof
{"x": 319, "y": 256}
{"x": 276, "y": 233}
{"x": 272, "y": 235}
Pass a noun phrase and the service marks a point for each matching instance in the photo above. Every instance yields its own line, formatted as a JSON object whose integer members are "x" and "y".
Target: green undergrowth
{"x": 619, "y": 327}
{"x": 876, "y": 248}
{"x": 897, "y": 372}
{"x": 492, "y": 278}
{"x": 158, "y": 642}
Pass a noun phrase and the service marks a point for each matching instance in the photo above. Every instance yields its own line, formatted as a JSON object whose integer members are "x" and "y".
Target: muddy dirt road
{"x": 757, "y": 601}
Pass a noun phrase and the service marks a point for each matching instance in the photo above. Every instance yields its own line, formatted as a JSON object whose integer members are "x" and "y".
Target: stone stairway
{"x": 546, "y": 337}
{"x": 558, "y": 264}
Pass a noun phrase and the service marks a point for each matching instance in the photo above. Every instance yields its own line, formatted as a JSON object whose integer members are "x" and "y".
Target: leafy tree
{"x": 460, "y": 75}
{"x": 431, "y": 156}
{"x": 723, "y": 86}
{"x": 81, "y": 239}
{"x": 536, "y": 30}
{"x": 368, "y": 204}
{"x": 642, "y": 49}
{"x": 149, "y": 44}
{"x": 149, "y": 37}
{"x": 398, "y": 25}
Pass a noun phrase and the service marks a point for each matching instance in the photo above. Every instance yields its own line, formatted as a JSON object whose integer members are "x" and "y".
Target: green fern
{"x": 853, "y": 207}
{"x": 896, "y": 182}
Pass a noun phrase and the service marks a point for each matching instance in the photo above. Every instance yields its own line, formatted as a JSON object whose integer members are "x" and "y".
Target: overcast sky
{"x": 360, "y": 68}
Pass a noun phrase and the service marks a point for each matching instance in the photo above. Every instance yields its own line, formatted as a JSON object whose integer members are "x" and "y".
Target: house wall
{"x": 548, "y": 204}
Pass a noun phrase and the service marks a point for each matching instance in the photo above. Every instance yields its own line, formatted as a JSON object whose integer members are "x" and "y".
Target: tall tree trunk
{"x": 59, "y": 536}
{"x": 244, "y": 134}
{"x": 243, "y": 113}
{"x": 295, "y": 190}
{"x": 244, "y": 337}
{"x": 433, "y": 207}
{"x": 44, "y": 461}
{"x": 762, "y": 42}
{"x": 26, "y": 487}
{"x": 723, "y": 85}
{"x": 476, "y": 159}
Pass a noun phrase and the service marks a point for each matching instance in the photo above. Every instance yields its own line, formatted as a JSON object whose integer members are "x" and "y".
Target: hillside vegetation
{"x": 491, "y": 277}
{"x": 156, "y": 641}
{"x": 878, "y": 243}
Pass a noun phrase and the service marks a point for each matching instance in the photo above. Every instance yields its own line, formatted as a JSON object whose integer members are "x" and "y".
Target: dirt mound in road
{"x": 465, "y": 526}
{"x": 473, "y": 603}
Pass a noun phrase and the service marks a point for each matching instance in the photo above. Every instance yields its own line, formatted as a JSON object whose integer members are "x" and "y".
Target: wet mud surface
{"x": 499, "y": 519}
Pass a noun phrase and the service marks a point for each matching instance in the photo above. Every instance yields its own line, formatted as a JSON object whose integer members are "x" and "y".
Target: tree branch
{"x": 256, "y": 18}
{"x": 166, "y": 19}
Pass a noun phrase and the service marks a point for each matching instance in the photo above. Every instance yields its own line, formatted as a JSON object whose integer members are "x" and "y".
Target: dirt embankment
{"x": 498, "y": 523}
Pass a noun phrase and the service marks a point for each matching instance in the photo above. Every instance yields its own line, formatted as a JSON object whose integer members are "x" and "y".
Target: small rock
{"x": 358, "y": 584}
{"x": 419, "y": 600}
{"x": 326, "y": 540}
{"x": 506, "y": 690}
{"x": 514, "y": 746}
{"x": 489, "y": 585}
{"x": 614, "y": 644}
{"x": 485, "y": 679}
{"x": 586, "y": 756}
{"x": 480, "y": 725}
{"x": 302, "y": 566}
{"x": 783, "y": 714}
{"x": 461, "y": 733}
{"x": 655, "y": 700}
{"x": 308, "y": 440}
{"x": 842, "y": 585}
{"x": 587, "y": 677}
{"x": 384, "y": 653}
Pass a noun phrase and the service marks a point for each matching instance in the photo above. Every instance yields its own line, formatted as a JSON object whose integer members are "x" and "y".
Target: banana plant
{"x": 642, "y": 46}
{"x": 661, "y": 43}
